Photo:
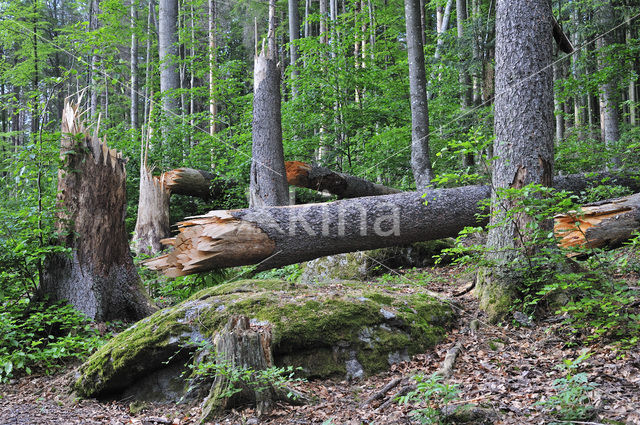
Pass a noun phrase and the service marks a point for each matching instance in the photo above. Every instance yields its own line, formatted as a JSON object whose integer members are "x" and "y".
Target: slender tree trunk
{"x": 463, "y": 75}
{"x": 99, "y": 277}
{"x": 134, "y": 66}
{"x": 168, "y": 50}
{"x": 420, "y": 161}
{"x": 268, "y": 184}
{"x": 558, "y": 105}
{"x": 213, "y": 58}
{"x": 147, "y": 74}
{"x": 524, "y": 138}
{"x": 294, "y": 34}
{"x": 609, "y": 114}
{"x": 94, "y": 6}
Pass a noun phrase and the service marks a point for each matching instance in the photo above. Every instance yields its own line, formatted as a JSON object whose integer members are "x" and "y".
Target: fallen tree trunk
{"x": 605, "y": 223}
{"x": 278, "y": 236}
{"x": 323, "y": 179}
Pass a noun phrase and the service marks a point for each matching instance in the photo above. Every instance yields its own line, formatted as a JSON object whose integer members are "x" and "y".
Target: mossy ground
{"x": 312, "y": 325}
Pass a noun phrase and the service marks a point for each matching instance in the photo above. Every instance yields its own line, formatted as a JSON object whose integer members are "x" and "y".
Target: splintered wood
{"x": 210, "y": 241}
{"x": 606, "y": 223}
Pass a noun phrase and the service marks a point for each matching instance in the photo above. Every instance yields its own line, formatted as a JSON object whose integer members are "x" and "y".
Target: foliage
{"x": 40, "y": 337}
{"x": 214, "y": 365}
{"x": 433, "y": 393}
{"x": 571, "y": 401}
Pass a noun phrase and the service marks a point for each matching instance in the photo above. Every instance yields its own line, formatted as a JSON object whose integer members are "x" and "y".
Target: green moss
{"x": 496, "y": 296}
{"x": 317, "y": 330}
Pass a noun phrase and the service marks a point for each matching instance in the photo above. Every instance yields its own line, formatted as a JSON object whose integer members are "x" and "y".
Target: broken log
{"x": 323, "y": 179}
{"x": 277, "y": 236}
{"x": 605, "y": 223}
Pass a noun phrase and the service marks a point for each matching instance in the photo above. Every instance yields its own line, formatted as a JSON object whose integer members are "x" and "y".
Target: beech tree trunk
{"x": 420, "y": 160}
{"x": 168, "y": 51}
{"x": 134, "y": 65}
{"x": 276, "y": 237}
{"x": 99, "y": 277}
{"x": 294, "y": 34}
{"x": 268, "y": 184}
{"x": 524, "y": 130}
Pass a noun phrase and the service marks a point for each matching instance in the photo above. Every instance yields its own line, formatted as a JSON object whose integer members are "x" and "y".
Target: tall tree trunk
{"x": 168, "y": 50}
{"x": 134, "y": 66}
{"x": 147, "y": 74}
{"x": 294, "y": 34}
{"x": 463, "y": 75}
{"x": 99, "y": 277}
{"x": 213, "y": 58}
{"x": 610, "y": 117}
{"x": 558, "y": 105}
{"x": 420, "y": 161}
{"x": 524, "y": 138}
{"x": 94, "y": 6}
{"x": 268, "y": 184}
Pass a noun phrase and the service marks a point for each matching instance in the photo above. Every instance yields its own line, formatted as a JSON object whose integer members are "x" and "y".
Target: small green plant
{"x": 43, "y": 338}
{"x": 603, "y": 191}
{"x": 433, "y": 394}
{"x": 571, "y": 401}
{"x": 213, "y": 365}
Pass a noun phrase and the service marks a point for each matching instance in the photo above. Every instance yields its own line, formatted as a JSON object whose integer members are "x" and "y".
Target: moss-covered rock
{"x": 363, "y": 265}
{"x": 343, "y": 329}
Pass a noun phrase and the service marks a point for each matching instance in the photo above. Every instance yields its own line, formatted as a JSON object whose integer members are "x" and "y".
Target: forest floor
{"x": 504, "y": 367}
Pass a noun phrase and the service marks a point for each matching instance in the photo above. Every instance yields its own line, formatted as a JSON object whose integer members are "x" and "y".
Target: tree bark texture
{"x": 294, "y": 34}
{"x": 99, "y": 277}
{"x": 275, "y": 237}
{"x": 420, "y": 160}
{"x": 242, "y": 346}
{"x": 268, "y": 183}
{"x": 168, "y": 51}
{"x": 134, "y": 64}
{"x": 524, "y": 130}
{"x": 152, "y": 222}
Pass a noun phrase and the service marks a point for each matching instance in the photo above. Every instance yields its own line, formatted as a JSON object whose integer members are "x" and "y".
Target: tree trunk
{"x": 134, "y": 66}
{"x": 294, "y": 34}
{"x": 558, "y": 106}
{"x": 168, "y": 51}
{"x": 322, "y": 179}
{"x": 152, "y": 222}
{"x": 463, "y": 75}
{"x": 275, "y": 237}
{"x": 523, "y": 138}
{"x": 213, "y": 57}
{"x": 94, "y": 6}
{"x": 420, "y": 160}
{"x": 268, "y": 185}
{"x": 609, "y": 114}
{"x": 246, "y": 348}
{"x": 605, "y": 223}
{"x": 99, "y": 277}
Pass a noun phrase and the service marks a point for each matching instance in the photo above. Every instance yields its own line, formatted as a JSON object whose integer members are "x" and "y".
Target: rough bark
{"x": 268, "y": 184}
{"x": 152, "y": 222}
{"x": 168, "y": 51}
{"x": 524, "y": 129}
{"x": 275, "y": 237}
{"x": 323, "y": 179}
{"x": 420, "y": 160}
{"x": 99, "y": 277}
{"x": 601, "y": 224}
{"x": 245, "y": 347}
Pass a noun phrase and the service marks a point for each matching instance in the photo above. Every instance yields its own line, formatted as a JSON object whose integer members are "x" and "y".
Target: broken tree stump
{"x": 242, "y": 347}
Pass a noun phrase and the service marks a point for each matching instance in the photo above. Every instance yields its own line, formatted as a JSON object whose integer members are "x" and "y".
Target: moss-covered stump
{"x": 362, "y": 265}
{"x": 348, "y": 329}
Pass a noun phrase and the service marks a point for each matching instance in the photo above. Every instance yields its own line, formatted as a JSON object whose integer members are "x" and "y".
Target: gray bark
{"x": 94, "y": 6}
{"x": 134, "y": 65}
{"x": 168, "y": 51}
{"x": 523, "y": 134}
{"x": 99, "y": 278}
{"x": 212, "y": 65}
{"x": 610, "y": 117}
{"x": 463, "y": 75}
{"x": 278, "y": 236}
{"x": 268, "y": 184}
{"x": 558, "y": 106}
{"x": 294, "y": 34}
{"x": 420, "y": 161}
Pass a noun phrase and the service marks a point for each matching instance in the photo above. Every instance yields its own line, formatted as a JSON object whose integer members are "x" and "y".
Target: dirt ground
{"x": 506, "y": 368}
